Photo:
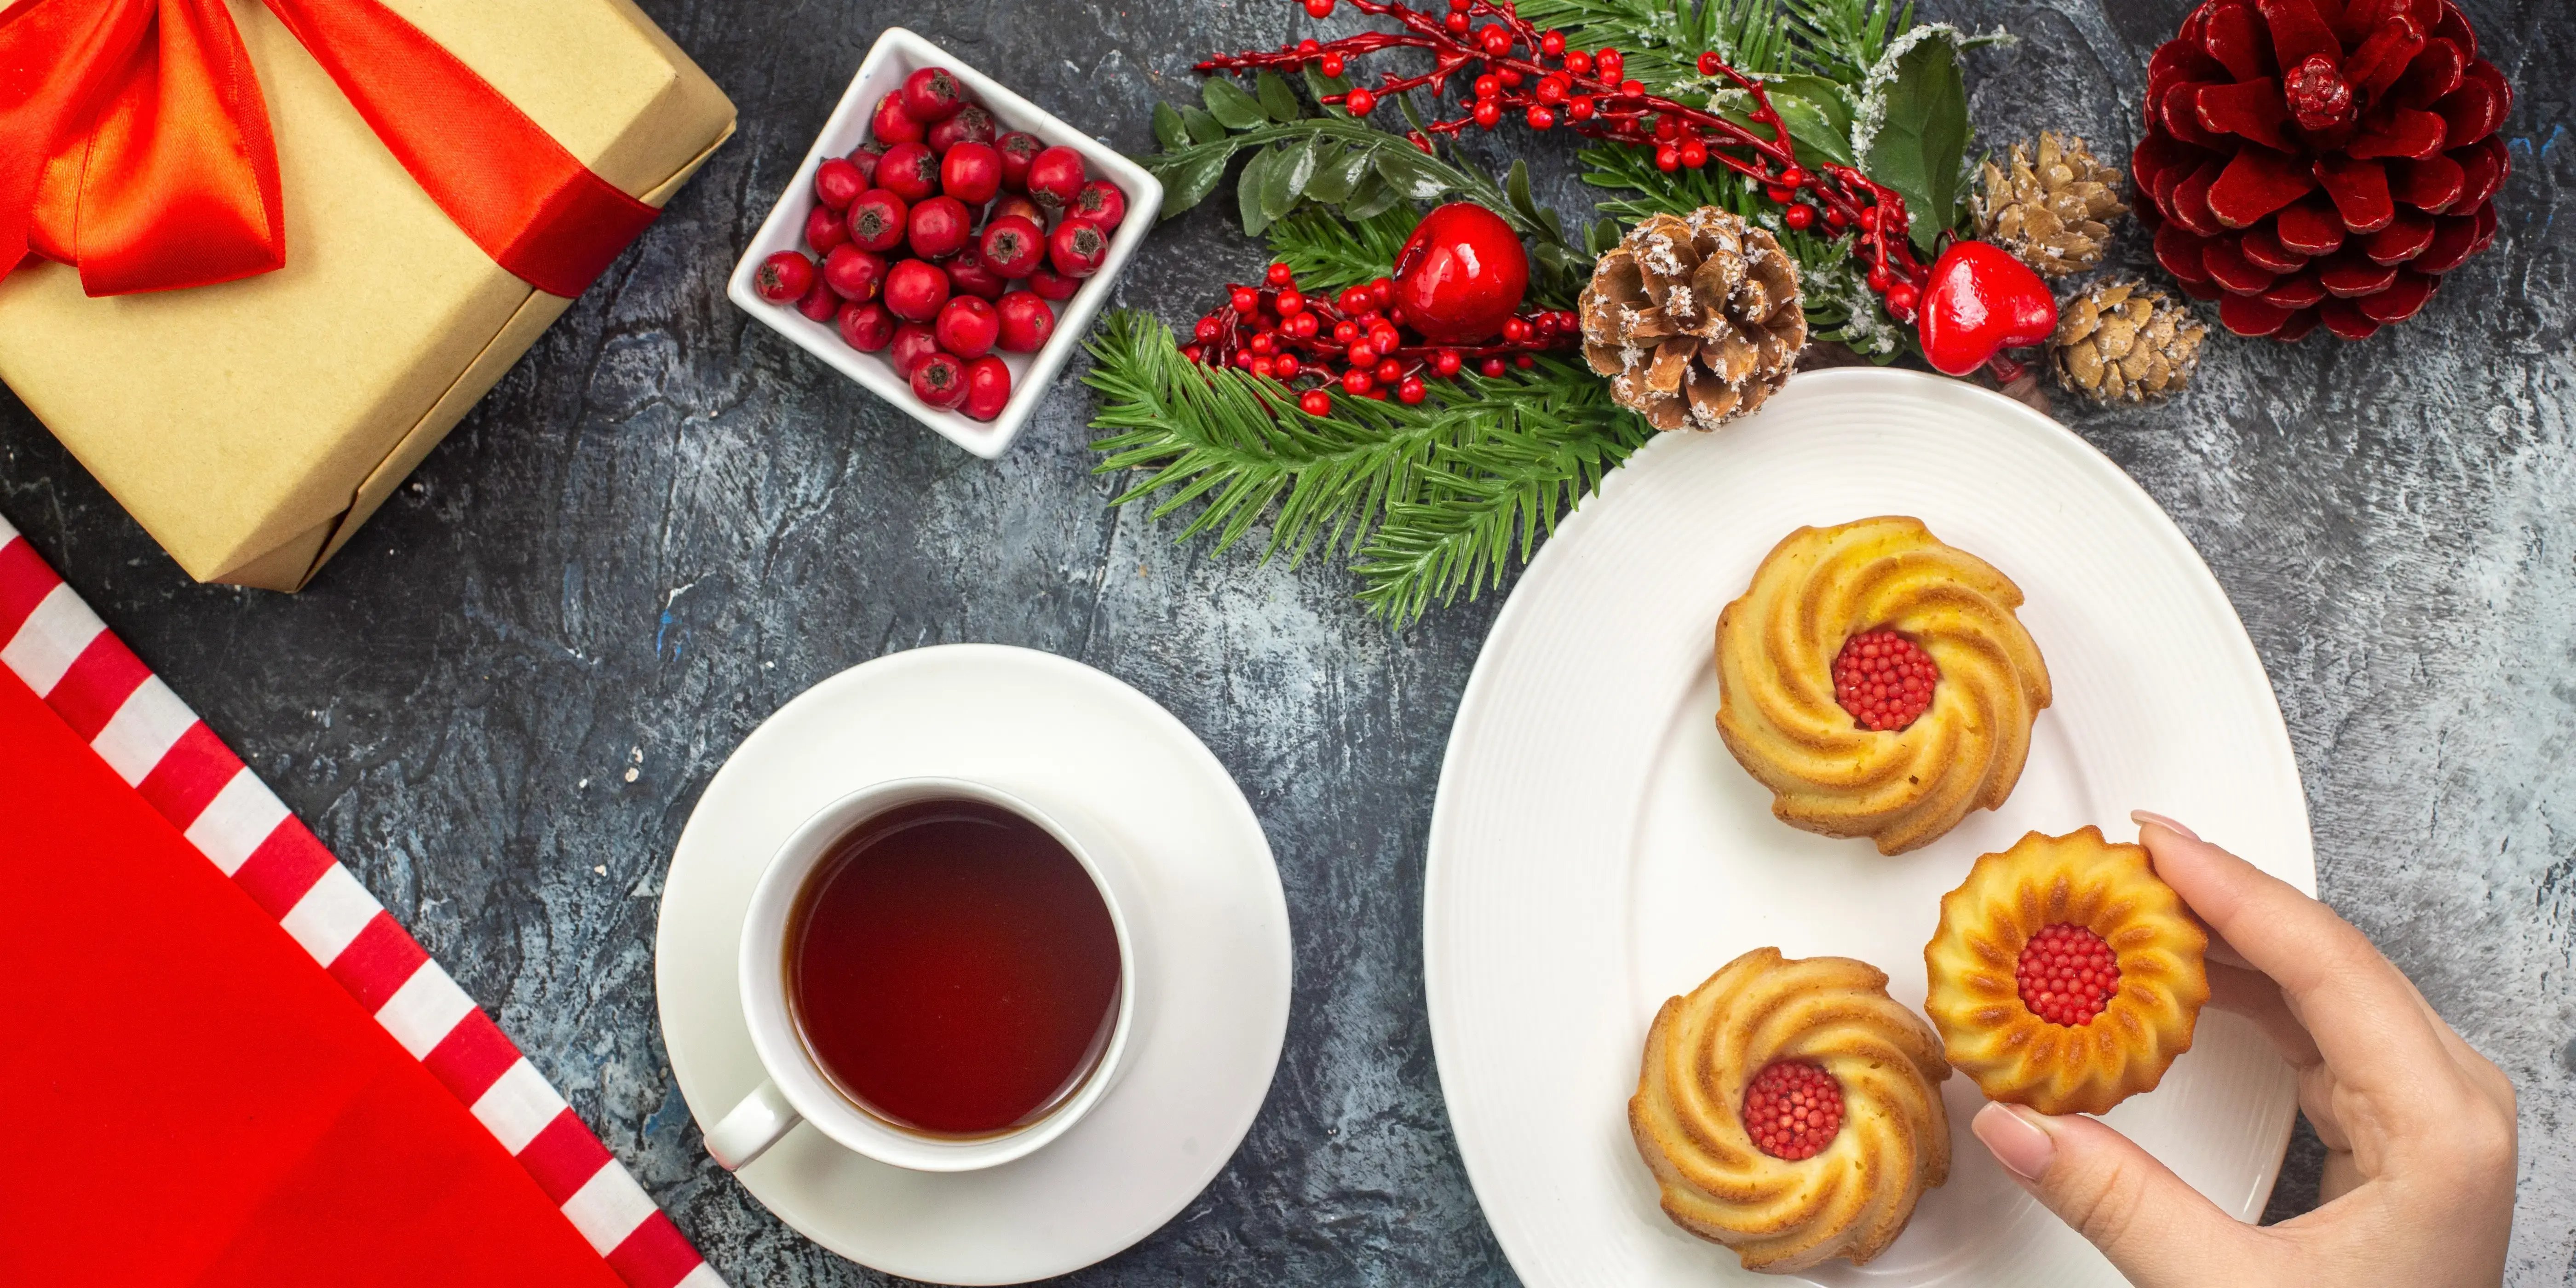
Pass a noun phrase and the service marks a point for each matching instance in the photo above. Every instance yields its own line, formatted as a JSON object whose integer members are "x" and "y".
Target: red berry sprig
{"x": 1884, "y": 680}
{"x": 1793, "y": 1109}
{"x": 2067, "y": 974}
{"x": 1356, "y": 341}
{"x": 1511, "y": 69}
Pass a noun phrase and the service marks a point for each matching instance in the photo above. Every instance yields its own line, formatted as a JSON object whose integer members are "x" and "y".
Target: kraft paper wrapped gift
{"x": 252, "y": 426}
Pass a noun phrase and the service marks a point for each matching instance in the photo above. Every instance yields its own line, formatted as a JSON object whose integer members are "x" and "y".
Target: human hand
{"x": 2419, "y": 1129}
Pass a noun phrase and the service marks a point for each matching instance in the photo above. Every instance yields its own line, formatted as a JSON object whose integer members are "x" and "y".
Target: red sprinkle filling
{"x": 1884, "y": 679}
{"x": 2067, "y": 974}
{"x": 1793, "y": 1109}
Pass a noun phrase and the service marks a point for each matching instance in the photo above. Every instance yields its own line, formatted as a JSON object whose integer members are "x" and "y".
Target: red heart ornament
{"x": 1982, "y": 300}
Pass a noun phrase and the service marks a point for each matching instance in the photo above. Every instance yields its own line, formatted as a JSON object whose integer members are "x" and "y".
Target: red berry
{"x": 912, "y": 343}
{"x": 854, "y": 274}
{"x": 877, "y": 220}
{"x": 1694, "y": 154}
{"x": 1289, "y": 301}
{"x": 939, "y": 227}
{"x": 865, "y": 157}
{"x": 1447, "y": 362}
{"x": 821, "y": 303}
{"x": 1017, "y": 150}
{"x": 1055, "y": 177}
{"x": 2067, "y": 974}
{"x": 1264, "y": 342}
{"x": 909, "y": 171}
{"x": 1884, "y": 679}
{"x": 1793, "y": 177}
{"x": 1101, "y": 202}
{"x": 1331, "y": 64}
{"x": 968, "y": 273}
{"x": 1524, "y": 361}
{"x": 968, "y": 327}
{"x": 784, "y": 278}
{"x": 933, "y": 94}
{"x": 1552, "y": 43}
{"x": 1491, "y": 367}
{"x": 837, "y": 183}
{"x": 971, "y": 172}
{"x": 1027, "y": 322}
{"x": 988, "y": 388}
{"x": 1303, "y": 326}
{"x": 1382, "y": 290}
{"x": 1264, "y": 367}
{"x": 1013, "y": 246}
{"x": 1793, "y": 1109}
{"x": 1388, "y": 371}
{"x": 972, "y": 125}
{"x": 1800, "y": 216}
{"x": 1608, "y": 62}
{"x": 1287, "y": 366}
{"x": 1708, "y": 64}
{"x": 1319, "y": 8}
{"x": 892, "y": 125}
{"x": 1580, "y": 109}
{"x": 1488, "y": 113}
{"x": 1516, "y": 330}
{"x": 1539, "y": 118}
{"x": 940, "y": 380}
{"x": 1357, "y": 383}
{"x": 1456, "y": 22}
{"x": 1281, "y": 275}
{"x": 1362, "y": 354}
{"x": 867, "y": 328}
{"x": 1361, "y": 102}
{"x": 1552, "y": 89}
{"x": 824, "y": 229}
{"x": 1315, "y": 402}
{"x": 1208, "y": 328}
{"x": 1578, "y": 62}
{"x": 1668, "y": 158}
{"x": 1076, "y": 248}
{"x": 915, "y": 289}
{"x": 1495, "y": 41}
{"x": 1051, "y": 285}
{"x": 1901, "y": 299}
{"x": 1308, "y": 46}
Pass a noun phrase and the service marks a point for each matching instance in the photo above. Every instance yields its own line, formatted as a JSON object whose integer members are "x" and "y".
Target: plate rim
{"x": 1541, "y": 572}
{"x": 1276, "y": 957}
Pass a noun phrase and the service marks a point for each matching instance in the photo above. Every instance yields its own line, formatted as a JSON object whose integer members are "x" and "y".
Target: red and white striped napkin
{"x": 54, "y": 644}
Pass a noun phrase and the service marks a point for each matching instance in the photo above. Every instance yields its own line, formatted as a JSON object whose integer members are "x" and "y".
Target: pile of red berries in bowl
{"x": 944, "y": 238}
{"x": 943, "y": 242}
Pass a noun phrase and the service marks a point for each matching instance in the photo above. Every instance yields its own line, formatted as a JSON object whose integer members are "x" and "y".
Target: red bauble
{"x": 2313, "y": 161}
{"x": 1461, "y": 275}
{"x": 1982, "y": 300}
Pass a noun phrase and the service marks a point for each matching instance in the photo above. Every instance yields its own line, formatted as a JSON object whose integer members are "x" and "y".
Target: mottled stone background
{"x": 666, "y": 522}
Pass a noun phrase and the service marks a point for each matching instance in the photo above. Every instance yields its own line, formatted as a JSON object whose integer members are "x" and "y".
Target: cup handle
{"x": 750, "y": 1128}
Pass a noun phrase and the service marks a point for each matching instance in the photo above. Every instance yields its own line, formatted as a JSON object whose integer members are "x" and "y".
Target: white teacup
{"x": 799, "y": 1090}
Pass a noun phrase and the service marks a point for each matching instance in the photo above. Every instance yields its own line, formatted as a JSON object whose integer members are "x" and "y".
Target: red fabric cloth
{"x": 191, "y": 1103}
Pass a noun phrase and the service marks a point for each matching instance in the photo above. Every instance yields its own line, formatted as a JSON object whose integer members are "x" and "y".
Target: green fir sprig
{"x": 1429, "y": 502}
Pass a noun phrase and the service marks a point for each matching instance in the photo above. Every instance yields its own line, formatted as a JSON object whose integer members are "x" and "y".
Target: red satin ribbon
{"x": 134, "y": 143}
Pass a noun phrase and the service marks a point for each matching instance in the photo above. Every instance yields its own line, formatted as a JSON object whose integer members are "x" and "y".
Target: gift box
{"x": 252, "y": 426}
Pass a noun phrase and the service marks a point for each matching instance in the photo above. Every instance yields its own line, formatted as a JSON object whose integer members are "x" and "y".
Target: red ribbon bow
{"x": 134, "y": 143}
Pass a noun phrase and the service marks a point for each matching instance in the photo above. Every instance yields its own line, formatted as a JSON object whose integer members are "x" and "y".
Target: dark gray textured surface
{"x": 666, "y": 522}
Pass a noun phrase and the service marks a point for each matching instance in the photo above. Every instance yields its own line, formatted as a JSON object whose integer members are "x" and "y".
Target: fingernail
{"x": 2143, "y": 817}
{"x": 2017, "y": 1139}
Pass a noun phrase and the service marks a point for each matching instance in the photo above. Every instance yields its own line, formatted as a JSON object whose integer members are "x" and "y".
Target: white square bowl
{"x": 897, "y": 54}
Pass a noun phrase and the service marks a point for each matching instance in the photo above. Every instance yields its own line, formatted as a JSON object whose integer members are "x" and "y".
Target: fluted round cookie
{"x": 1778, "y": 712}
{"x": 1977, "y": 995}
{"x": 1852, "y": 1197}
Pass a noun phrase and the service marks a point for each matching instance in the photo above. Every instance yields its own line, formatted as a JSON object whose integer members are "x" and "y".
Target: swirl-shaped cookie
{"x": 1781, "y": 714}
{"x": 1846, "y": 1194}
{"x": 2065, "y": 976}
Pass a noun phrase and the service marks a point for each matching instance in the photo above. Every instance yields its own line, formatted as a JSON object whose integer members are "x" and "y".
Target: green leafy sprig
{"x": 1429, "y": 501}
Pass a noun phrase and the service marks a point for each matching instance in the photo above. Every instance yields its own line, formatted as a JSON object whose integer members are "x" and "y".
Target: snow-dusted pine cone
{"x": 2055, "y": 213}
{"x": 2124, "y": 343}
{"x": 1695, "y": 319}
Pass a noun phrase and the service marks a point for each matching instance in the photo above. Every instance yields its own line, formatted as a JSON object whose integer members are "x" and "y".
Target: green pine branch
{"x": 1431, "y": 501}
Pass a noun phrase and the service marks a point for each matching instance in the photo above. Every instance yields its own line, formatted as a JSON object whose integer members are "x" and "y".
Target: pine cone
{"x": 2125, "y": 343}
{"x": 2313, "y": 161}
{"x": 2054, "y": 216}
{"x": 1695, "y": 319}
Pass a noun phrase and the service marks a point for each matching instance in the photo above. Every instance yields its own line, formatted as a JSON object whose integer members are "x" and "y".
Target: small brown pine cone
{"x": 2054, "y": 215}
{"x": 1695, "y": 319}
{"x": 2124, "y": 343}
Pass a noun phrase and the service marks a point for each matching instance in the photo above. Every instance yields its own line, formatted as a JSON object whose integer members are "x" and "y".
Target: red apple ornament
{"x": 1461, "y": 275}
{"x": 1980, "y": 302}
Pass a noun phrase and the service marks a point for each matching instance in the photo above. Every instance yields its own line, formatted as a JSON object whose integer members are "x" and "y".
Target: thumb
{"x": 2158, "y": 1230}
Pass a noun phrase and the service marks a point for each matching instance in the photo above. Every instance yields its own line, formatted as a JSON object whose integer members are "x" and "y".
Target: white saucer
{"x": 1213, "y": 1012}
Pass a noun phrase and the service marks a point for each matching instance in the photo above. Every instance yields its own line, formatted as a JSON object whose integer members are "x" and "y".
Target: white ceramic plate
{"x": 1210, "y": 1018}
{"x": 899, "y": 53}
{"x": 1595, "y": 849}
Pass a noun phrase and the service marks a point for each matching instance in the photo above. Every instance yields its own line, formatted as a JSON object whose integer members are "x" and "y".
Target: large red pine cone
{"x": 2316, "y": 161}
